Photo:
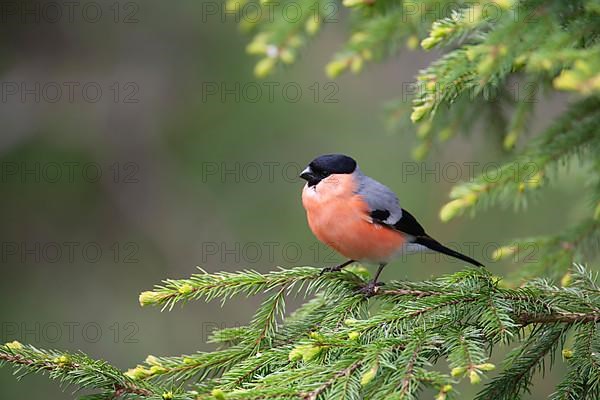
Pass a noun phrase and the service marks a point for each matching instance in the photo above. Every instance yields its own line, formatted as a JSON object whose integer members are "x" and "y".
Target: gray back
{"x": 378, "y": 196}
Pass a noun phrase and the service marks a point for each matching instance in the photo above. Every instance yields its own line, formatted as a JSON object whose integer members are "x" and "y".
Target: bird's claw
{"x": 337, "y": 268}
{"x": 330, "y": 269}
{"x": 371, "y": 288}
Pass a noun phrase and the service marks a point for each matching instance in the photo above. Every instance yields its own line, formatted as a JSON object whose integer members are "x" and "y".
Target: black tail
{"x": 434, "y": 245}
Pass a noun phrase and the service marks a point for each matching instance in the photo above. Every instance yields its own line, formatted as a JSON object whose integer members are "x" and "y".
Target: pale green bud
{"x": 412, "y": 42}
{"x": 486, "y": 367}
{"x": 451, "y": 209}
{"x": 567, "y": 80}
{"x": 62, "y": 360}
{"x": 315, "y": 335}
{"x": 504, "y": 4}
{"x": 356, "y": 64}
{"x": 441, "y": 31}
{"x": 264, "y": 67}
{"x": 421, "y": 151}
{"x": 445, "y": 134}
{"x": 151, "y": 360}
{"x": 14, "y": 345}
{"x": 149, "y": 298}
{"x": 312, "y": 25}
{"x": 295, "y": 354}
{"x": 287, "y": 56}
{"x": 186, "y": 289}
{"x": 424, "y": 129}
{"x": 256, "y": 47}
{"x": 157, "y": 369}
{"x": 368, "y": 376}
{"x": 352, "y": 3}
{"x": 335, "y": 68}
{"x": 510, "y": 140}
{"x": 474, "y": 377}
{"x": 458, "y": 371}
{"x": 138, "y": 372}
{"x": 429, "y": 42}
{"x": 419, "y": 112}
{"x": 311, "y": 352}
{"x": 218, "y": 394}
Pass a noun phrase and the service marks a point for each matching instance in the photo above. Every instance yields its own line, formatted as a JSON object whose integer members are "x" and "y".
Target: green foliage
{"x": 75, "y": 369}
{"x": 407, "y": 337}
{"x": 412, "y": 336}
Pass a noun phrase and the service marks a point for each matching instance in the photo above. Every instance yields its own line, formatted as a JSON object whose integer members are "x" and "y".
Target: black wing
{"x": 406, "y": 224}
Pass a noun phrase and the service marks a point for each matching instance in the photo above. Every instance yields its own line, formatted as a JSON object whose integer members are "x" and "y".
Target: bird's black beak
{"x": 309, "y": 176}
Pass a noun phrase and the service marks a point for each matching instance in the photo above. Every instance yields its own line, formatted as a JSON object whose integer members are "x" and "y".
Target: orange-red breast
{"x": 359, "y": 217}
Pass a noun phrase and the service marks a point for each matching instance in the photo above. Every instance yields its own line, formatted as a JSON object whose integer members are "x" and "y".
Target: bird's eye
{"x": 325, "y": 173}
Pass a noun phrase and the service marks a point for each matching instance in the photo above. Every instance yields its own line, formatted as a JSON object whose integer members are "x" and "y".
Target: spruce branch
{"x": 522, "y": 363}
{"x": 573, "y": 133}
{"x": 340, "y": 344}
{"x": 75, "y": 369}
{"x": 225, "y": 285}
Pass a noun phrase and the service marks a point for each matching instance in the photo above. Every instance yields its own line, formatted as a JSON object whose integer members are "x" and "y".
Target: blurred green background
{"x": 180, "y": 162}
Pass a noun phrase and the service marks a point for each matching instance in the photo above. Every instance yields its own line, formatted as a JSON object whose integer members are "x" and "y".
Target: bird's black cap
{"x": 327, "y": 164}
{"x": 334, "y": 164}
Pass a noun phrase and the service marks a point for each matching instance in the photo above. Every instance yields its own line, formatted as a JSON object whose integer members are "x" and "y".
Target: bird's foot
{"x": 337, "y": 268}
{"x": 371, "y": 288}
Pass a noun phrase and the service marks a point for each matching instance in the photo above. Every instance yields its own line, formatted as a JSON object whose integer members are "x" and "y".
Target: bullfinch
{"x": 361, "y": 218}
